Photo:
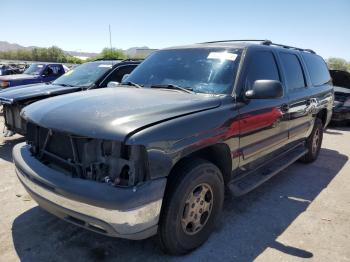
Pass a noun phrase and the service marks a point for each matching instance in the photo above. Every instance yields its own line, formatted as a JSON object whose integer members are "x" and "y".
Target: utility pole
{"x": 110, "y": 36}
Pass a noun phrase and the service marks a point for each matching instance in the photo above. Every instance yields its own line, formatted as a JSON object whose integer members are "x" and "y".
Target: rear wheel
{"x": 314, "y": 142}
{"x": 192, "y": 205}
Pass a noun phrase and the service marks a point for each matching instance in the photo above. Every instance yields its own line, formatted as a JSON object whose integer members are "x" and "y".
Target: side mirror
{"x": 265, "y": 89}
{"x": 125, "y": 77}
{"x": 113, "y": 84}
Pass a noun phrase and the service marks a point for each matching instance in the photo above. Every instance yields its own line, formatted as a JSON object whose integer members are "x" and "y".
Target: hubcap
{"x": 197, "y": 209}
{"x": 315, "y": 141}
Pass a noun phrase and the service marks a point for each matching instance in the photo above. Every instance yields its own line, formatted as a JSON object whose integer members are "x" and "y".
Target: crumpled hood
{"x": 113, "y": 113}
{"x": 17, "y": 77}
{"x": 18, "y": 93}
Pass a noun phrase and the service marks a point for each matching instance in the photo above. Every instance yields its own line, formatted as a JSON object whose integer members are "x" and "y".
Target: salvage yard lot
{"x": 302, "y": 213}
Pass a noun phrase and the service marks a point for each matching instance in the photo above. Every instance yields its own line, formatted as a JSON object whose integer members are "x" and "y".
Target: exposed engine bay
{"x": 99, "y": 160}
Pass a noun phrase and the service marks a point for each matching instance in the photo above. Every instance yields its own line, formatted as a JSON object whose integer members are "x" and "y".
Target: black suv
{"x": 155, "y": 155}
{"x": 87, "y": 76}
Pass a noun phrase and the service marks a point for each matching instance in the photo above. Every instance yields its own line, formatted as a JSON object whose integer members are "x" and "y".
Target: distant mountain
{"x": 6, "y": 46}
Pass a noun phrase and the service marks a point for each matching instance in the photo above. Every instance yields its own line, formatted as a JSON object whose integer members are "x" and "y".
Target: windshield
{"x": 201, "y": 70}
{"x": 34, "y": 69}
{"x": 84, "y": 75}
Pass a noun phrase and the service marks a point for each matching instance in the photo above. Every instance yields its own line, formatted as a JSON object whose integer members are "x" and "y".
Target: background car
{"x": 341, "y": 109}
{"x": 36, "y": 73}
{"x": 90, "y": 75}
{"x": 10, "y": 69}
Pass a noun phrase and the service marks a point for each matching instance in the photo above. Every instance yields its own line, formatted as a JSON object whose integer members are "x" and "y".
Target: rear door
{"x": 300, "y": 103}
{"x": 263, "y": 123}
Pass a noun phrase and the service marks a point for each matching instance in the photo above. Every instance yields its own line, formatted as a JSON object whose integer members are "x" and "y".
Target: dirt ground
{"x": 301, "y": 214}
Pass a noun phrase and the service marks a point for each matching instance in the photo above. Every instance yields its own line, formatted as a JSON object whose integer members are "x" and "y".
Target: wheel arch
{"x": 218, "y": 154}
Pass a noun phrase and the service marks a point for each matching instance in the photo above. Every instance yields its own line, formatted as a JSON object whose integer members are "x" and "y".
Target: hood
{"x": 15, "y": 94}
{"x": 17, "y": 77}
{"x": 113, "y": 113}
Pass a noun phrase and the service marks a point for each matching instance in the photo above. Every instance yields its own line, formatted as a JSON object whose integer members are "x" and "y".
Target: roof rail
{"x": 262, "y": 42}
{"x": 291, "y": 47}
{"x": 106, "y": 59}
{"x": 118, "y": 60}
{"x": 237, "y": 40}
{"x": 133, "y": 59}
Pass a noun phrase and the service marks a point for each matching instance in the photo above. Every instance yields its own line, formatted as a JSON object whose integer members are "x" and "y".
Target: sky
{"x": 83, "y": 25}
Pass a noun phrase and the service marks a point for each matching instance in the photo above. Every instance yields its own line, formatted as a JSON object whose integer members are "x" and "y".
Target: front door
{"x": 263, "y": 122}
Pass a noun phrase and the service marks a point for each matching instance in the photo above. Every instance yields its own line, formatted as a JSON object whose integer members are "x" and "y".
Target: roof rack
{"x": 133, "y": 59}
{"x": 106, "y": 59}
{"x": 237, "y": 40}
{"x": 290, "y": 47}
{"x": 263, "y": 42}
{"x": 118, "y": 60}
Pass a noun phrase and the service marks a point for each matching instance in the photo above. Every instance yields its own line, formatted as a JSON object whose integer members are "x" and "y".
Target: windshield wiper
{"x": 129, "y": 83}
{"x": 175, "y": 87}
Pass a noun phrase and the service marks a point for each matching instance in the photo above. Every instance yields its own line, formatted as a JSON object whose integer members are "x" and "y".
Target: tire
{"x": 177, "y": 235}
{"x": 314, "y": 142}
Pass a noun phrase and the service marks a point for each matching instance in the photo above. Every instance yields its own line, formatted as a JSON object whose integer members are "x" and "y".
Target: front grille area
{"x": 13, "y": 120}
{"x": 87, "y": 158}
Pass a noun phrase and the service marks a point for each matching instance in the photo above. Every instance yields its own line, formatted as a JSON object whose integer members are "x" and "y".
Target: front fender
{"x": 168, "y": 142}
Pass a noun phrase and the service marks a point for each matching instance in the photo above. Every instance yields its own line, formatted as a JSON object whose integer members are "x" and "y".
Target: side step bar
{"x": 249, "y": 181}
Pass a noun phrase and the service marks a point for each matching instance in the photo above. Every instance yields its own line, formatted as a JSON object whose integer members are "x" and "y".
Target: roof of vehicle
{"x": 46, "y": 63}
{"x": 240, "y": 44}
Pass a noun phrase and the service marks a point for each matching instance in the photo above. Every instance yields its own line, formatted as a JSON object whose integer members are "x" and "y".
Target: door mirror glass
{"x": 265, "y": 89}
{"x": 113, "y": 84}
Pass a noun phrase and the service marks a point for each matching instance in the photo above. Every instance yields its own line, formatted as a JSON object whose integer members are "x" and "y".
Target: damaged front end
{"x": 13, "y": 122}
{"x": 104, "y": 161}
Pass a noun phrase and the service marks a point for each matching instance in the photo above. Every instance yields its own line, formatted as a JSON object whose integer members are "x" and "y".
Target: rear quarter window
{"x": 317, "y": 68}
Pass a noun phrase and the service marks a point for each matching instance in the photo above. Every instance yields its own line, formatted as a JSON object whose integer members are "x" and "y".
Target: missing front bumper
{"x": 125, "y": 213}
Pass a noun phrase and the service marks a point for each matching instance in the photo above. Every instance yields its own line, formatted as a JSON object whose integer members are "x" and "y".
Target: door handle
{"x": 284, "y": 108}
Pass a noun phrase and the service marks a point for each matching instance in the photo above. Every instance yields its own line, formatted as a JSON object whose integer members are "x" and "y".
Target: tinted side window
{"x": 317, "y": 69}
{"x": 293, "y": 71}
{"x": 262, "y": 66}
{"x": 118, "y": 73}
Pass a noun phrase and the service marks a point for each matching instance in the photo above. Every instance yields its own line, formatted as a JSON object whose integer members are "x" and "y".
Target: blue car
{"x": 36, "y": 73}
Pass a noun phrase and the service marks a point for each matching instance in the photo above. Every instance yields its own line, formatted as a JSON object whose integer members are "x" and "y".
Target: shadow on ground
{"x": 249, "y": 225}
{"x": 6, "y": 147}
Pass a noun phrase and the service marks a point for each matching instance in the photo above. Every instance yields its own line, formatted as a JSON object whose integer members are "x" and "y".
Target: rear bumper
{"x": 131, "y": 213}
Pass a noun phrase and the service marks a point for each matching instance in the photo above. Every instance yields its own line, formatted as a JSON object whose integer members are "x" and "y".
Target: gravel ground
{"x": 302, "y": 213}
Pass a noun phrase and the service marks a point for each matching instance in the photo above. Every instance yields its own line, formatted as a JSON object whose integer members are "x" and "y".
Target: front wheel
{"x": 314, "y": 142}
{"x": 192, "y": 205}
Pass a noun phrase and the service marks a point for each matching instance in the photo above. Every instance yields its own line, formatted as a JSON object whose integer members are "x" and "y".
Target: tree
{"x": 51, "y": 54}
{"x": 338, "y": 64}
{"x": 112, "y": 53}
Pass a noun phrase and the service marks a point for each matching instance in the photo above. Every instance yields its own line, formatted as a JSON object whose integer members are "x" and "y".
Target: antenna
{"x": 110, "y": 36}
